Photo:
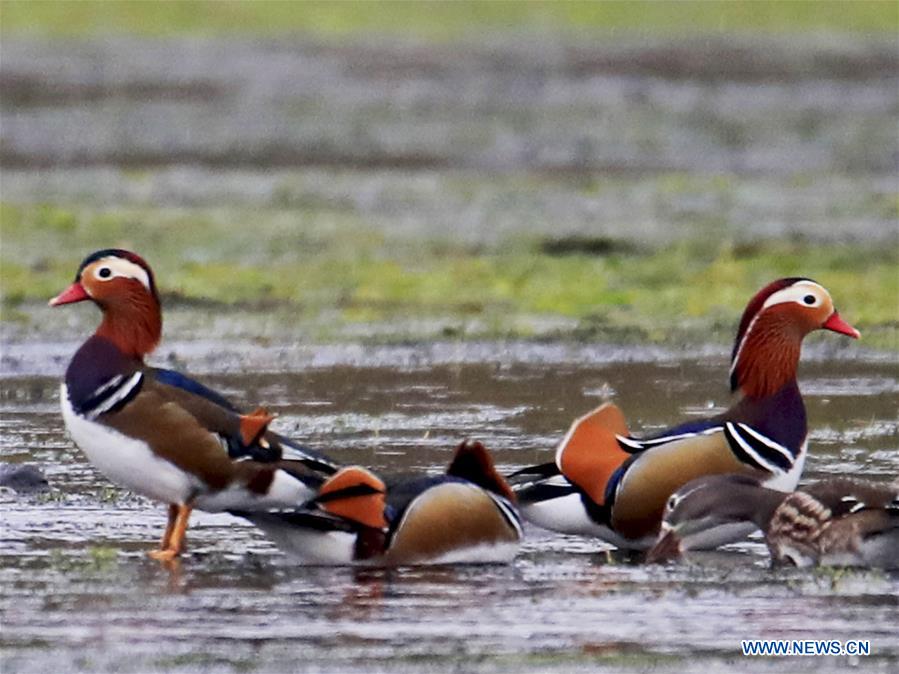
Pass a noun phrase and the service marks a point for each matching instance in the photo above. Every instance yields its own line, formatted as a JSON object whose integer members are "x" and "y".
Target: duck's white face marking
{"x": 112, "y": 267}
{"x": 804, "y": 293}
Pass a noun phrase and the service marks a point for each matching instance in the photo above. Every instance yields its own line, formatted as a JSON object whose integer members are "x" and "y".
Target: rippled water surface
{"x": 79, "y": 594}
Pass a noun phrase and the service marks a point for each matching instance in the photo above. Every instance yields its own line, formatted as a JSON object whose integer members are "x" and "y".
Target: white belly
{"x": 567, "y": 515}
{"x": 126, "y": 461}
{"x": 308, "y": 546}
{"x": 285, "y": 491}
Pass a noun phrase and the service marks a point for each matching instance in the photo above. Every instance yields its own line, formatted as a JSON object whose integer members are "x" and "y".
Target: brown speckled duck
{"x": 835, "y": 522}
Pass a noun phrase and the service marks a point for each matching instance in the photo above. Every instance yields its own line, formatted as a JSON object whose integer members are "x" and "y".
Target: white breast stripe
{"x": 746, "y": 447}
{"x": 113, "y": 400}
{"x": 108, "y": 385}
{"x": 508, "y": 512}
{"x": 788, "y": 455}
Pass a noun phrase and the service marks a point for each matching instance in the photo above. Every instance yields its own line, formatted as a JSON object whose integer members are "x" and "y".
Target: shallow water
{"x": 78, "y": 593}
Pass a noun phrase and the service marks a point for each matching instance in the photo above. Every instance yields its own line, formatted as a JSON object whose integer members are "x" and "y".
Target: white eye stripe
{"x": 797, "y": 293}
{"x": 121, "y": 268}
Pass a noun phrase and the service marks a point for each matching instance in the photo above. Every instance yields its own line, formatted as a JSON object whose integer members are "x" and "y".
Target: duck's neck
{"x": 135, "y": 326}
{"x": 767, "y": 358}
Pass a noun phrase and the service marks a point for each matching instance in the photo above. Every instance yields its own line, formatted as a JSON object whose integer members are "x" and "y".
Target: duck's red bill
{"x": 74, "y": 293}
{"x": 837, "y": 324}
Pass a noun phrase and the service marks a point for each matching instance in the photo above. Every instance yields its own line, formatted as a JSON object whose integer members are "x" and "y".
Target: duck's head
{"x": 121, "y": 284}
{"x": 777, "y": 318}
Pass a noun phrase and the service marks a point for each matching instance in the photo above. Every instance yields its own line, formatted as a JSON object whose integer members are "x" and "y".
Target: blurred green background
{"x": 441, "y": 20}
{"x": 390, "y": 171}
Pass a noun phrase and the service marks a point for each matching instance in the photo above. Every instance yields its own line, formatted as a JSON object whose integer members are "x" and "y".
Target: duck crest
{"x": 472, "y": 462}
{"x": 766, "y": 350}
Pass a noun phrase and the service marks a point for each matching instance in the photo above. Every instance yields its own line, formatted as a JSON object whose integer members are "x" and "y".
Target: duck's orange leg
{"x": 169, "y": 527}
{"x": 175, "y": 543}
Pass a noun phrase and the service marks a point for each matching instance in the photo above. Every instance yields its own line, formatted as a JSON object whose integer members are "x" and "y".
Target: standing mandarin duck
{"x": 466, "y": 516}
{"x": 607, "y": 483}
{"x": 836, "y": 522}
{"x": 157, "y": 431}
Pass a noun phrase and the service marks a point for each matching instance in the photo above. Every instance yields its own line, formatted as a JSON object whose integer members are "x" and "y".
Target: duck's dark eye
{"x": 104, "y": 272}
{"x": 809, "y": 299}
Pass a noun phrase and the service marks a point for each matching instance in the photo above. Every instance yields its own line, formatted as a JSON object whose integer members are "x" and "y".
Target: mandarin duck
{"x": 835, "y": 522}
{"x": 465, "y": 516}
{"x": 607, "y": 483}
{"x": 159, "y": 432}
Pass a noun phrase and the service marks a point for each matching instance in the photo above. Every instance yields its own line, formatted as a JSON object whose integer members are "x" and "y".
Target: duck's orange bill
{"x": 590, "y": 453}
{"x": 74, "y": 293}
{"x": 837, "y": 324}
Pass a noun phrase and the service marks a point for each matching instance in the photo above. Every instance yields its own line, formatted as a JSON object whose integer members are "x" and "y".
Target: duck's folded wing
{"x": 220, "y": 416}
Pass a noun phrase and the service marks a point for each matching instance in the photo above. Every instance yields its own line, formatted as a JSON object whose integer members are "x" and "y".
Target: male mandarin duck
{"x": 157, "y": 431}
{"x": 835, "y": 522}
{"x": 465, "y": 516}
{"x": 604, "y": 482}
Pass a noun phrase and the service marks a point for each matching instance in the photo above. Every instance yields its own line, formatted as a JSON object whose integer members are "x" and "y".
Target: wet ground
{"x": 78, "y": 593}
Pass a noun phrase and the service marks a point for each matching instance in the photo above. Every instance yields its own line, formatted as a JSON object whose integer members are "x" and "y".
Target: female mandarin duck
{"x": 159, "y": 432}
{"x": 606, "y": 483}
{"x": 464, "y": 516}
{"x": 835, "y": 522}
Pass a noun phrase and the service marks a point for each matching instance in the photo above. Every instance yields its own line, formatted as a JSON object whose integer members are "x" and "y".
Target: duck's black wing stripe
{"x": 754, "y": 449}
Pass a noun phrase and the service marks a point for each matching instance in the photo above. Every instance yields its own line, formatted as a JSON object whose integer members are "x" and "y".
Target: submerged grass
{"x": 441, "y": 19}
{"x": 342, "y": 273}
